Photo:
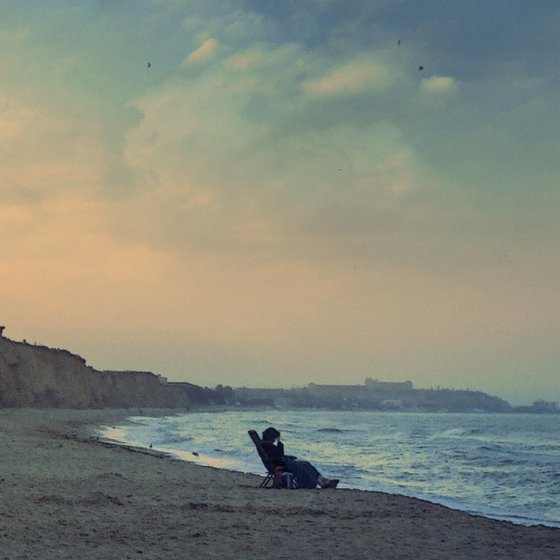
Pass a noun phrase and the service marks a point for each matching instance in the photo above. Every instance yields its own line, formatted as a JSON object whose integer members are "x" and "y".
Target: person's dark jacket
{"x": 275, "y": 451}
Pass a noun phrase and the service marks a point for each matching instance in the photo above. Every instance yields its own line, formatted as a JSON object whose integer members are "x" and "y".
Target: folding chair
{"x": 266, "y": 461}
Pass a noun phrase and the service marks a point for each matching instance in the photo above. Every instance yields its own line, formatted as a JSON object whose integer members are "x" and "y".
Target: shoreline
{"x": 177, "y": 455}
{"x": 66, "y": 493}
{"x": 246, "y": 465}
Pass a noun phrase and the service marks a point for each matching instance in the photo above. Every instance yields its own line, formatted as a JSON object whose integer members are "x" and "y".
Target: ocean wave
{"x": 333, "y": 430}
{"x": 174, "y": 438}
{"x": 484, "y": 464}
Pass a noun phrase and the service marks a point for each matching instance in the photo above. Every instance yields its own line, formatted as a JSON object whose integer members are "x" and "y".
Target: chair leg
{"x": 265, "y": 482}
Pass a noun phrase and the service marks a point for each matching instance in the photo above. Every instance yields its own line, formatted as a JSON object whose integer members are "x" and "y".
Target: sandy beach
{"x": 65, "y": 494}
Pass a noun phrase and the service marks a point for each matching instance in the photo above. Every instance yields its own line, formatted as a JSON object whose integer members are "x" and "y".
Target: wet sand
{"x": 66, "y": 494}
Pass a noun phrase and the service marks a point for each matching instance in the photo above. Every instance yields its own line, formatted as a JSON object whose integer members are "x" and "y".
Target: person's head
{"x": 270, "y": 434}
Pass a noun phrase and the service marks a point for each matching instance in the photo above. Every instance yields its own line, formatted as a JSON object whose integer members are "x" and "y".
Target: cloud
{"x": 44, "y": 149}
{"x": 205, "y": 52}
{"x": 352, "y": 77}
{"x": 241, "y": 159}
{"x": 293, "y": 199}
{"x": 439, "y": 84}
{"x": 15, "y": 119}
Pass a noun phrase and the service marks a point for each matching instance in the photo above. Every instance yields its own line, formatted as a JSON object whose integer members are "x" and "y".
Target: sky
{"x": 272, "y": 193}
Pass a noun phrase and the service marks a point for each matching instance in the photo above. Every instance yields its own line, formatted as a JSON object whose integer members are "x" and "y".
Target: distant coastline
{"x": 386, "y": 396}
{"x": 37, "y": 376}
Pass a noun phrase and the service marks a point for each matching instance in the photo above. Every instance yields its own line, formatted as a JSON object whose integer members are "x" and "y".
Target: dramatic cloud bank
{"x": 272, "y": 194}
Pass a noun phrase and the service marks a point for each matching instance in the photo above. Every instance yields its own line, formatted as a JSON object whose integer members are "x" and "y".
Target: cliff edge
{"x": 38, "y": 376}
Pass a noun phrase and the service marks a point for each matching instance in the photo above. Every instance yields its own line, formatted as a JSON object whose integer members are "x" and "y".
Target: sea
{"x": 501, "y": 466}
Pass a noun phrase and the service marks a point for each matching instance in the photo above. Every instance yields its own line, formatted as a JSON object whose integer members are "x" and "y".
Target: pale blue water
{"x": 504, "y": 466}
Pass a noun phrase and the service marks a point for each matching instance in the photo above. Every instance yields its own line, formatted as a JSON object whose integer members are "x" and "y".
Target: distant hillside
{"x": 37, "y": 376}
{"x": 41, "y": 377}
{"x": 374, "y": 395}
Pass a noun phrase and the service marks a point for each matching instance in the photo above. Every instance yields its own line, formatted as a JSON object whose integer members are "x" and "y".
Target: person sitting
{"x": 306, "y": 474}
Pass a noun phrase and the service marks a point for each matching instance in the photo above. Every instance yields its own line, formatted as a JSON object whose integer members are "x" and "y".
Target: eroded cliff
{"x": 38, "y": 376}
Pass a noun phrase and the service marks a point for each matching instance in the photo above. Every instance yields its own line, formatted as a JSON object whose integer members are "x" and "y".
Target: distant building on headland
{"x": 376, "y": 385}
{"x": 545, "y": 406}
{"x": 374, "y": 395}
{"x": 540, "y": 407}
{"x": 369, "y": 383}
